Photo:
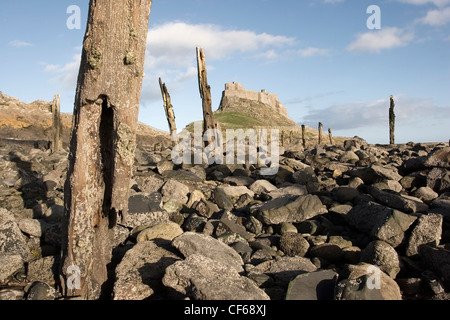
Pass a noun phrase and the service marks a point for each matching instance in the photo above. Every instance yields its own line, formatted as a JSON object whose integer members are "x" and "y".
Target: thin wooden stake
{"x": 392, "y": 122}
{"x": 169, "y": 112}
{"x": 205, "y": 93}
{"x": 56, "y": 143}
{"x": 303, "y": 136}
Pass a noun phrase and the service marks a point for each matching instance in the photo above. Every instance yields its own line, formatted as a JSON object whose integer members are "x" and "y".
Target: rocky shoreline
{"x": 349, "y": 222}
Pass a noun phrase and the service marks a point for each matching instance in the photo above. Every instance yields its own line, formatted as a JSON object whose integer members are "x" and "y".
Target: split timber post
{"x": 303, "y": 136}
{"x": 209, "y": 124}
{"x": 169, "y": 113}
{"x": 320, "y": 132}
{"x": 103, "y": 142}
{"x": 392, "y": 122}
{"x": 330, "y": 135}
{"x": 56, "y": 143}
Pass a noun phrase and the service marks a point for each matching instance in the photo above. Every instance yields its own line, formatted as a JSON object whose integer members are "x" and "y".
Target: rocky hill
{"x": 244, "y": 109}
{"x": 33, "y": 123}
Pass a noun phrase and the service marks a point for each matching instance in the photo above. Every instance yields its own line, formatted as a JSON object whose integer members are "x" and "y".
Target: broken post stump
{"x": 392, "y": 121}
{"x": 303, "y": 136}
{"x": 330, "y": 135}
{"x": 103, "y": 141}
{"x": 170, "y": 115}
{"x": 320, "y": 132}
{"x": 56, "y": 143}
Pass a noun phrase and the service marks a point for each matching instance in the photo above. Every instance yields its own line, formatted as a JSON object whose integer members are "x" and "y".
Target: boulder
{"x": 318, "y": 285}
{"x": 234, "y": 192}
{"x": 145, "y": 211}
{"x": 10, "y": 263}
{"x": 190, "y": 243}
{"x": 438, "y": 179}
{"x": 288, "y": 209}
{"x": 12, "y": 241}
{"x": 176, "y": 190}
{"x": 284, "y": 269}
{"x": 366, "y": 282}
{"x": 165, "y": 231}
{"x": 380, "y": 222}
{"x": 293, "y": 244}
{"x": 262, "y": 186}
{"x": 45, "y": 269}
{"x": 437, "y": 259}
{"x": 383, "y": 255}
{"x": 375, "y": 173}
{"x": 33, "y": 227}
{"x": 428, "y": 231}
{"x": 139, "y": 274}
{"x": 399, "y": 202}
{"x": 202, "y": 278}
{"x": 439, "y": 158}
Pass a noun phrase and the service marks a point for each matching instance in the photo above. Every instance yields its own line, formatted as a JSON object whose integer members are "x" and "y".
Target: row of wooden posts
{"x": 208, "y": 118}
{"x": 209, "y": 123}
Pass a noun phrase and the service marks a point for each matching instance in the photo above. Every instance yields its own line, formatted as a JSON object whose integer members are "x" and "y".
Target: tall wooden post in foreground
{"x": 170, "y": 115}
{"x": 392, "y": 122}
{"x": 103, "y": 141}
{"x": 205, "y": 94}
{"x": 56, "y": 143}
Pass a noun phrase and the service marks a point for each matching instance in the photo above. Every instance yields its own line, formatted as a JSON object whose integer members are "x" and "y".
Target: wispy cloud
{"x": 65, "y": 74}
{"x": 438, "y": 3}
{"x": 376, "y": 41}
{"x": 438, "y": 17}
{"x": 317, "y": 96}
{"x": 20, "y": 44}
{"x": 355, "y": 115}
{"x": 313, "y": 52}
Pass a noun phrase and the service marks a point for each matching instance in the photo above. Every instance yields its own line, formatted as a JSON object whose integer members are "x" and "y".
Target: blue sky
{"x": 318, "y": 56}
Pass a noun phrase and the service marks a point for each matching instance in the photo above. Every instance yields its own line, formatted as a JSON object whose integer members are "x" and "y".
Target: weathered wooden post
{"x": 330, "y": 135}
{"x": 392, "y": 122}
{"x": 170, "y": 115}
{"x": 303, "y": 136}
{"x": 103, "y": 141}
{"x": 56, "y": 143}
{"x": 205, "y": 93}
{"x": 320, "y": 132}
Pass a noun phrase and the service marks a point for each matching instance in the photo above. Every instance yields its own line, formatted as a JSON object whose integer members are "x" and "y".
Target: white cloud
{"x": 438, "y": 17}
{"x": 312, "y": 52}
{"x": 20, "y": 44}
{"x": 171, "y": 51}
{"x": 173, "y": 44}
{"x": 438, "y": 3}
{"x": 67, "y": 74}
{"x": 375, "y": 41}
{"x": 333, "y": 1}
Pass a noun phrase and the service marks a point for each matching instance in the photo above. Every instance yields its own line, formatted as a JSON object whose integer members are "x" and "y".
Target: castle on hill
{"x": 235, "y": 91}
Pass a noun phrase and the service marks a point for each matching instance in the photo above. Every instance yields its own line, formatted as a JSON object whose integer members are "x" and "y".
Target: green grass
{"x": 234, "y": 120}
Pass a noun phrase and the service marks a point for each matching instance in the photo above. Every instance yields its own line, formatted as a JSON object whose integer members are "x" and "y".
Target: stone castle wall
{"x": 237, "y": 91}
